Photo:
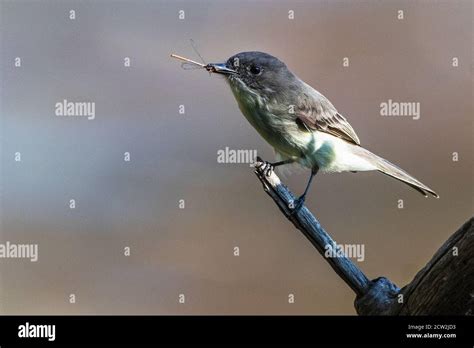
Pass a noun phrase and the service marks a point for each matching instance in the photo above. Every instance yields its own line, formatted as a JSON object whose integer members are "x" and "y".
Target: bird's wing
{"x": 317, "y": 113}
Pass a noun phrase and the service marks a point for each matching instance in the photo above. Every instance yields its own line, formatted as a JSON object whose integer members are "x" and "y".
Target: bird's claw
{"x": 265, "y": 167}
{"x": 268, "y": 170}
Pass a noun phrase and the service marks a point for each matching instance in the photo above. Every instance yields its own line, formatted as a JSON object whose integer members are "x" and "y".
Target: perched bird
{"x": 299, "y": 122}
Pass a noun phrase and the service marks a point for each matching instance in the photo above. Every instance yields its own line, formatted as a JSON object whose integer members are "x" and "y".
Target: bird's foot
{"x": 296, "y": 205}
{"x": 266, "y": 167}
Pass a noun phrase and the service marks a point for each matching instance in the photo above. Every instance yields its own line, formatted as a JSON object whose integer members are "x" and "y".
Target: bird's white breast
{"x": 329, "y": 153}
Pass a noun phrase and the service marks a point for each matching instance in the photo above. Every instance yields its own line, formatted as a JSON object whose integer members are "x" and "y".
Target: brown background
{"x": 174, "y": 156}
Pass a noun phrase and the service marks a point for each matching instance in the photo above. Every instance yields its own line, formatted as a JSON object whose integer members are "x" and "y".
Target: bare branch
{"x": 444, "y": 286}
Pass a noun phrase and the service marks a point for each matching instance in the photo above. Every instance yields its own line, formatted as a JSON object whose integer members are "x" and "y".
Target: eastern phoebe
{"x": 299, "y": 122}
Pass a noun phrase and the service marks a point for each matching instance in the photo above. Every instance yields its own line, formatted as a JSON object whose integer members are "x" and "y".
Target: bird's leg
{"x": 298, "y": 203}
{"x": 270, "y": 166}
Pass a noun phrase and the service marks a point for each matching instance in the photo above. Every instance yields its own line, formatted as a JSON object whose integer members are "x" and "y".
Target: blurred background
{"x": 135, "y": 204}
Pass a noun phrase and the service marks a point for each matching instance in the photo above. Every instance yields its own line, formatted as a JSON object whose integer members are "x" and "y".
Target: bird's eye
{"x": 255, "y": 70}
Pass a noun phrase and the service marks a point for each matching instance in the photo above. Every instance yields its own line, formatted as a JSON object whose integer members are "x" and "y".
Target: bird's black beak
{"x": 220, "y": 69}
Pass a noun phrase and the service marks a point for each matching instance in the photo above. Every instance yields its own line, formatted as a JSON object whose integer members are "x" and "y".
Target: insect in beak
{"x": 212, "y": 67}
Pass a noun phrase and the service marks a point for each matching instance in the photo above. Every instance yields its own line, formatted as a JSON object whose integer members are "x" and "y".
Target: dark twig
{"x": 429, "y": 293}
{"x": 311, "y": 228}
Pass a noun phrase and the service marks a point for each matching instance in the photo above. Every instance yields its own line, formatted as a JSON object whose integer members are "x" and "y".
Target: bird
{"x": 300, "y": 123}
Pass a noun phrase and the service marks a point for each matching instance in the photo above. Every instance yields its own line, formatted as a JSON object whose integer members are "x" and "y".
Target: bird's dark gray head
{"x": 258, "y": 71}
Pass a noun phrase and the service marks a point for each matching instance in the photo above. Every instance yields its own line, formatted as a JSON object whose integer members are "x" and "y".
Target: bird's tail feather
{"x": 394, "y": 171}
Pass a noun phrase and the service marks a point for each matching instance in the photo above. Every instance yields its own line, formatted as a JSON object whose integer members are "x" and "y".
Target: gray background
{"x": 135, "y": 204}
